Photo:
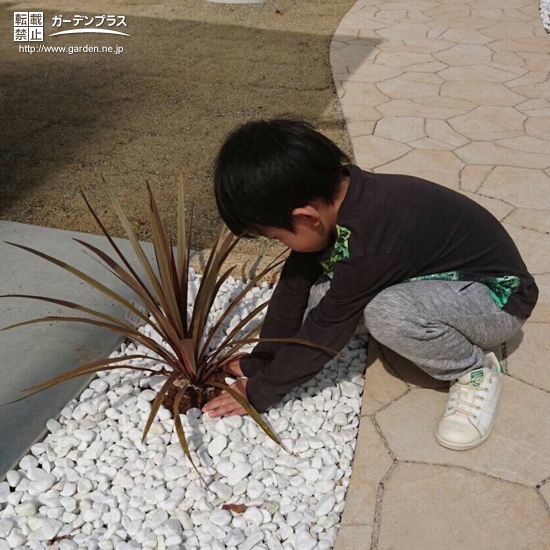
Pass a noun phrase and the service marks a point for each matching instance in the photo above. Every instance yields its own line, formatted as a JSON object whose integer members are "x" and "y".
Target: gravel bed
{"x": 92, "y": 484}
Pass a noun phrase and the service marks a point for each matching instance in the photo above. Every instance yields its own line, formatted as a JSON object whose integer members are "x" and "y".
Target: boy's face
{"x": 310, "y": 233}
{"x": 314, "y": 224}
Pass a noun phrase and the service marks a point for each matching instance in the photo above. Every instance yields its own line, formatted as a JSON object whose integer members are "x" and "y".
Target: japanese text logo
{"x": 28, "y": 26}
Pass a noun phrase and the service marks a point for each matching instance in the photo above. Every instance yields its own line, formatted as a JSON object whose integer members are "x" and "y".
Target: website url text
{"x": 27, "y": 48}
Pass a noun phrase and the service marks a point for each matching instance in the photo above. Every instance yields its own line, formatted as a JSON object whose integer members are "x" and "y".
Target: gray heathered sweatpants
{"x": 440, "y": 326}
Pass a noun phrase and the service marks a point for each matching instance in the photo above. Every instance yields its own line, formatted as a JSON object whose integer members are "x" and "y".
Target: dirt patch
{"x": 190, "y": 72}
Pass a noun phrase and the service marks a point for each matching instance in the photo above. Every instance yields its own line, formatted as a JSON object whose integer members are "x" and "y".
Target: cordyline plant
{"x": 193, "y": 371}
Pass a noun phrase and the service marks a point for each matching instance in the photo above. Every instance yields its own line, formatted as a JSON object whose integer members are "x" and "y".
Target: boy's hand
{"x": 232, "y": 366}
{"x": 225, "y": 404}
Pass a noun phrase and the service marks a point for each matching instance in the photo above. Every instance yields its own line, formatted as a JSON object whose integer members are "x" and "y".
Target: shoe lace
{"x": 471, "y": 394}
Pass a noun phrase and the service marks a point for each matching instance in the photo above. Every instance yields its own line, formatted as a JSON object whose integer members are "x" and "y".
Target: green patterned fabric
{"x": 500, "y": 288}
{"x": 340, "y": 250}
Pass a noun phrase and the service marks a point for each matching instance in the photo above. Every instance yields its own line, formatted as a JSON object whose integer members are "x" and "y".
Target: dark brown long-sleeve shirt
{"x": 390, "y": 229}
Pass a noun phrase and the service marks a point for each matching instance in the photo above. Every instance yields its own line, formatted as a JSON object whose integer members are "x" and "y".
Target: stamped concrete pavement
{"x": 456, "y": 92}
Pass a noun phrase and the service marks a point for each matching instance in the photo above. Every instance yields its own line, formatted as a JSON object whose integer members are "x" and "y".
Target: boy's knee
{"x": 392, "y": 314}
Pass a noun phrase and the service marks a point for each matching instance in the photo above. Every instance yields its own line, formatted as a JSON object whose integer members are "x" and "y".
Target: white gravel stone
{"x": 41, "y": 481}
{"x": 234, "y": 422}
{"x": 293, "y": 518}
{"x": 172, "y": 473}
{"x": 325, "y": 486}
{"x": 235, "y": 537}
{"x": 221, "y": 518}
{"x": 221, "y": 426}
{"x": 304, "y": 541}
{"x": 6, "y": 526}
{"x": 217, "y": 445}
{"x": 172, "y": 527}
{"x": 16, "y": 539}
{"x": 84, "y": 486}
{"x": 225, "y": 467}
{"x": 85, "y": 435}
{"x": 340, "y": 419}
{"x": 252, "y": 541}
{"x": 35, "y": 522}
{"x": 285, "y": 530}
{"x": 69, "y": 545}
{"x": 239, "y": 472}
{"x": 68, "y": 503}
{"x": 25, "y": 509}
{"x": 156, "y": 519}
{"x": 50, "y": 528}
{"x": 255, "y": 489}
{"x": 27, "y": 462}
{"x": 13, "y": 477}
{"x": 91, "y": 515}
{"x": 253, "y": 515}
{"x": 311, "y": 474}
{"x": 273, "y": 543}
{"x": 95, "y": 450}
{"x": 325, "y": 505}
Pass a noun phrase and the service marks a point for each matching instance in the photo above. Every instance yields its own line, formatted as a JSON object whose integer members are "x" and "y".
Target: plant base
{"x": 192, "y": 397}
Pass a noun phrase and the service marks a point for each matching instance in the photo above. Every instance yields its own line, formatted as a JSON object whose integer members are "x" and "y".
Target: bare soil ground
{"x": 190, "y": 72}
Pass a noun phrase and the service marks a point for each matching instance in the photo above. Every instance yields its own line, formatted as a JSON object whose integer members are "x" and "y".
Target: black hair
{"x": 267, "y": 168}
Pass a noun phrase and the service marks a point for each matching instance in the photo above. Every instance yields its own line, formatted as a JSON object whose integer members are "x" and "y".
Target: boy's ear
{"x": 308, "y": 211}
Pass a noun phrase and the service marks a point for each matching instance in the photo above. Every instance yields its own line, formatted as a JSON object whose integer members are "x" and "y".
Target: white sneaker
{"x": 471, "y": 408}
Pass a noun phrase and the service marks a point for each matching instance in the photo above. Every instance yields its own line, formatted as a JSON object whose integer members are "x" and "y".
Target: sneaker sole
{"x": 465, "y": 447}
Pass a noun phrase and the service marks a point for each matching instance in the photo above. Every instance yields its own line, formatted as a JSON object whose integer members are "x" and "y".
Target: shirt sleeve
{"x": 331, "y": 323}
{"x": 286, "y": 308}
